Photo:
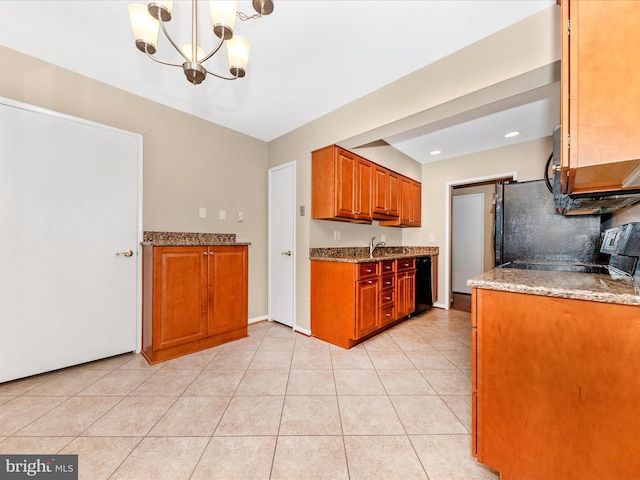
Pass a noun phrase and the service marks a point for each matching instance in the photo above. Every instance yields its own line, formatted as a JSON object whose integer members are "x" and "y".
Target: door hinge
{"x": 568, "y": 26}
{"x": 569, "y": 140}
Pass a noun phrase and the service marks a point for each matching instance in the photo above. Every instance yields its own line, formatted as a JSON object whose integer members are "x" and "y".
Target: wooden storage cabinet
{"x": 406, "y": 287}
{"x": 555, "y": 386}
{"x": 600, "y": 92}
{"x": 349, "y": 188}
{"x": 352, "y": 301}
{"x": 385, "y": 193}
{"x": 410, "y": 205}
{"x": 193, "y": 298}
{"x": 342, "y": 185}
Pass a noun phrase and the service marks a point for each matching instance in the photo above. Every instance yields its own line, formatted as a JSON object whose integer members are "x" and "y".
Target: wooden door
{"x": 363, "y": 190}
{"x": 227, "y": 284}
{"x": 416, "y": 204}
{"x": 180, "y": 295}
{"x": 345, "y": 188}
{"x": 366, "y": 307}
{"x": 600, "y": 93}
{"x": 380, "y": 190}
{"x": 393, "y": 194}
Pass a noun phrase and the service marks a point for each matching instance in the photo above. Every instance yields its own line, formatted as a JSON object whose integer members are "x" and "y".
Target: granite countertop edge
{"x": 190, "y": 239}
{"x": 361, "y": 255}
{"x": 570, "y": 285}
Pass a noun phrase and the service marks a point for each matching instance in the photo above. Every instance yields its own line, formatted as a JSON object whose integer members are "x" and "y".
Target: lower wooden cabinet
{"x": 194, "y": 297}
{"x": 555, "y": 386}
{"x": 353, "y": 301}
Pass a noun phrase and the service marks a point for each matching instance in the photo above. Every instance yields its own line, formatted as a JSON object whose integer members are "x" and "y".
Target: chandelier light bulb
{"x": 223, "y": 17}
{"x": 144, "y": 27}
{"x": 238, "y": 53}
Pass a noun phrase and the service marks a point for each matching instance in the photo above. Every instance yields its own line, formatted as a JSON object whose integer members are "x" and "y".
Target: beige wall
{"x": 220, "y": 169}
{"x": 516, "y": 60}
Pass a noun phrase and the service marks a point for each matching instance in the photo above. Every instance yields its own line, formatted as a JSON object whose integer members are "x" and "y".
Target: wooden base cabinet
{"x": 353, "y": 301}
{"x": 555, "y": 387}
{"x": 193, "y": 298}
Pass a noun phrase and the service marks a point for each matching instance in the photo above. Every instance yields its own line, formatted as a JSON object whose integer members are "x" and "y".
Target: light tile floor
{"x": 276, "y": 405}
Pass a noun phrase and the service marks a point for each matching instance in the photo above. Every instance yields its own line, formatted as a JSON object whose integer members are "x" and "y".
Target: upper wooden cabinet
{"x": 386, "y": 189}
{"x": 349, "y": 188}
{"x": 410, "y": 205}
{"x": 342, "y": 185}
{"x": 600, "y": 95}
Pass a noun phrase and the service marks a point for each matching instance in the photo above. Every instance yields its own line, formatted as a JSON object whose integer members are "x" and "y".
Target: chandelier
{"x": 146, "y": 21}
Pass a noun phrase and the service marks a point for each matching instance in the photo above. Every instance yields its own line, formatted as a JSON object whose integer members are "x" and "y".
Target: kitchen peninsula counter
{"x": 572, "y": 285}
{"x": 554, "y": 384}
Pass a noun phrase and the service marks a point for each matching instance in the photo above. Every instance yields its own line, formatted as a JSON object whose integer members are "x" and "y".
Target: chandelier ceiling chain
{"x": 147, "y": 20}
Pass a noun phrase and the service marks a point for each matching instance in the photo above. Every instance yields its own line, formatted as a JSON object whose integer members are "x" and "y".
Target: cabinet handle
{"x": 388, "y": 314}
{"x": 370, "y": 282}
{"x": 388, "y": 299}
{"x": 205, "y": 253}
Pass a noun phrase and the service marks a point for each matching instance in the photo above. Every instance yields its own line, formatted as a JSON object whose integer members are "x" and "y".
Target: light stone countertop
{"x": 583, "y": 286}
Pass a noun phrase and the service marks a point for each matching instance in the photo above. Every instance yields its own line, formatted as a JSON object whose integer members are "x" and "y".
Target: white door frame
{"x": 294, "y": 255}
{"x": 448, "y": 194}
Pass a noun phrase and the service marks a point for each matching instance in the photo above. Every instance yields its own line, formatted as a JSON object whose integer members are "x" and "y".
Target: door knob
{"x": 126, "y": 253}
{"x": 287, "y": 253}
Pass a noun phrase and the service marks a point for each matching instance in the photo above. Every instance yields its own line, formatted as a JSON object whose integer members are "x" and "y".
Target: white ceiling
{"x": 307, "y": 59}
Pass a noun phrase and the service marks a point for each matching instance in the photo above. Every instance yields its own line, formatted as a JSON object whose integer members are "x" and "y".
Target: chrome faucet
{"x": 373, "y": 246}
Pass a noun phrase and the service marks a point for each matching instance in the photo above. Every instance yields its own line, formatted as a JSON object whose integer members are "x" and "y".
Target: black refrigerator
{"x": 529, "y": 229}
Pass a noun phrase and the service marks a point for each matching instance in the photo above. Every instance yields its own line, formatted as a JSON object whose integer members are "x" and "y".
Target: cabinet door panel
{"x": 367, "y": 307}
{"x": 600, "y": 94}
{"x": 345, "y": 193}
{"x": 227, "y": 289}
{"x": 363, "y": 190}
{"x": 180, "y": 296}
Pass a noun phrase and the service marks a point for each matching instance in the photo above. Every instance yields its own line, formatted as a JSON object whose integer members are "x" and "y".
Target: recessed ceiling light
{"x": 435, "y": 152}
{"x": 511, "y": 134}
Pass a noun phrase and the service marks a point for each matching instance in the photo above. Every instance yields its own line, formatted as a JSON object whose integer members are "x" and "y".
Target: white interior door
{"x": 282, "y": 215}
{"x": 467, "y": 240}
{"x": 69, "y": 200}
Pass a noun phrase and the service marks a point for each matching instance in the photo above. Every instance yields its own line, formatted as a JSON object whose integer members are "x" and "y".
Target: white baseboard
{"x": 304, "y": 331}
{"x": 258, "y": 319}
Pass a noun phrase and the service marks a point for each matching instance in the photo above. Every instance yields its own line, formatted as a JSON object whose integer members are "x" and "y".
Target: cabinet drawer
{"x": 387, "y": 266}
{"x": 406, "y": 264}
{"x": 388, "y": 282}
{"x": 387, "y": 315}
{"x": 369, "y": 269}
{"x": 387, "y": 298}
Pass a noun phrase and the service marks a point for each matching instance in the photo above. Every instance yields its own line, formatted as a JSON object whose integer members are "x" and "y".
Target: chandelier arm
{"x": 213, "y": 52}
{"x": 162, "y": 61}
{"x": 166, "y": 34}
{"x": 221, "y": 76}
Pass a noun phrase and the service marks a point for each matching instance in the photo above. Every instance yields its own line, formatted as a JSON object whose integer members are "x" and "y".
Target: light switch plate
{"x": 202, "y": 212}
{"x": 222, "y": 215}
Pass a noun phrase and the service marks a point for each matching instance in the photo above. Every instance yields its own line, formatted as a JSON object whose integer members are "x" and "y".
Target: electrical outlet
{"x": 302, "y": 212}
{"x": 336, "y": 234}
{"x": 202, "y": 212}
{"x": 383, "y": 238}
{"x": 432, "y": 237}
{"x": 241, "y": 216}
{"x": 222, "y": 215}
